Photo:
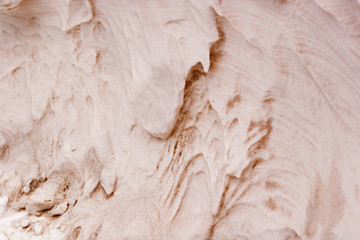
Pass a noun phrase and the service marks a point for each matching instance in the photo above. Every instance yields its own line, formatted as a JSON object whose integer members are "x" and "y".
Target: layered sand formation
{"x": 179, "y": 119}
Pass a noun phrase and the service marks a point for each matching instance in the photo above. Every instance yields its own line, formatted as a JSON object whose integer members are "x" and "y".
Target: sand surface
{"x": 186, "y": 119}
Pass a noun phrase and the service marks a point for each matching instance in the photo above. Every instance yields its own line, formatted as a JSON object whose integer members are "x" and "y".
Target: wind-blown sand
{"x": 179, "y": 119}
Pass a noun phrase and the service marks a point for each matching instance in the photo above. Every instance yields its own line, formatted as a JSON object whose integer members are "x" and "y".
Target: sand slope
{"x": 179, "y": 119}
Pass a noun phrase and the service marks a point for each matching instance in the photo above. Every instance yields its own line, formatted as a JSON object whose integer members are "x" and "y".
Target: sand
{"x": 179, "y": 119}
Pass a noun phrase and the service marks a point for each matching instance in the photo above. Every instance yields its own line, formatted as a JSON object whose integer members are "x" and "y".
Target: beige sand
{"x": 194, "y": 119}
